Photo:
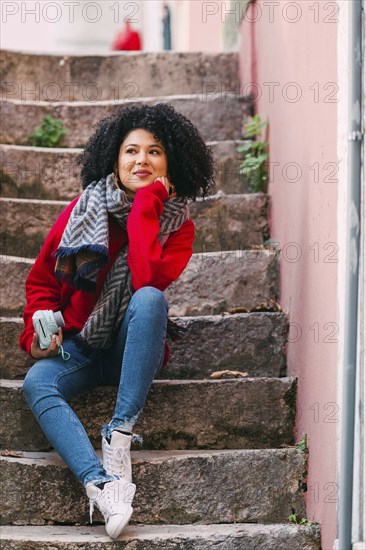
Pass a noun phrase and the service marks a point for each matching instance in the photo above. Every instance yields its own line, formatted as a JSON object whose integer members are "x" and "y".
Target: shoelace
{"x": 103, "y": 505}
{"x": 116, "y": 459}
{"x": 91, "y": 509}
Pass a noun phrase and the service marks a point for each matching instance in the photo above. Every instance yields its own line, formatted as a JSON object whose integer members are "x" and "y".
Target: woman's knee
{"x": 37, "y": 377}
{"x": 30, "y": 383}
{"x": 150, "y": 297}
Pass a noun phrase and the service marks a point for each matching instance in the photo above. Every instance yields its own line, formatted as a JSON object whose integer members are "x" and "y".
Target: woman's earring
{"x": 116, "y": 178}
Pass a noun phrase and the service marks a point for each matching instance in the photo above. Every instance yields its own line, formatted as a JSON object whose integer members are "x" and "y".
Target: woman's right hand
{"x": 168, "y": 186}
{"x": 51, "y": 351}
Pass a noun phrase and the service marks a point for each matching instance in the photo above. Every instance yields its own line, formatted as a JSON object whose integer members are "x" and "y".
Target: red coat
{"x": 150, "y": 264}
{"x": 127, "y": 39}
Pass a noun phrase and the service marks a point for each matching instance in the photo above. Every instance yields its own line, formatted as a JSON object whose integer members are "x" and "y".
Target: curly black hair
{"x": 190, "y": 160}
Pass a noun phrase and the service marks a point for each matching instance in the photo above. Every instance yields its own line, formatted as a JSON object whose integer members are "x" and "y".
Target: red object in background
{"x": 127, "y": 39}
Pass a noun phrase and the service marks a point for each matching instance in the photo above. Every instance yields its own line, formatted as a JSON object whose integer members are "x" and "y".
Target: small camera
{"x": 46, "y": 323}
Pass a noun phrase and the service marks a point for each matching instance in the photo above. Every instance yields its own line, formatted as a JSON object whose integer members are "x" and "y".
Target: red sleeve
{"x": 149, "y": 262}
{"x": 42, "y": 290}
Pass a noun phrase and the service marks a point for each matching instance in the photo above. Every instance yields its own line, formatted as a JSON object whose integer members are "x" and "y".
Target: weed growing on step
{"x": 302, "y": 445}
{"x": 293, "y": 518}
{"x": 49, "y": 134}
{"x": 255, "y": 155}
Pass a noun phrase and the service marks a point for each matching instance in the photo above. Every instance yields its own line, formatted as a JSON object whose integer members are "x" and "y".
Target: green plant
{"x": 303, "y": 443}
{"x": 253, "y": 165}
{"x": 293, "y": 518}
{"x": 49, "y": 134}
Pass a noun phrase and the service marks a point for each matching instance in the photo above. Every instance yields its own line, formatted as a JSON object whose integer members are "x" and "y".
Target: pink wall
{"x": 295, "y": 44}
{"x": 205, "y": 26}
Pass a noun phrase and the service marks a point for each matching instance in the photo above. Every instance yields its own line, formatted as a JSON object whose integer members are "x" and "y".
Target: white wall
{"x": 60, "y": 26}
{"x": 87, "y": 26}
{"x": 152, "y": 26}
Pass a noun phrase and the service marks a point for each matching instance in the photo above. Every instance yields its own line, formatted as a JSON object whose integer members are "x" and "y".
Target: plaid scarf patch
{"x": 83, "y": 251}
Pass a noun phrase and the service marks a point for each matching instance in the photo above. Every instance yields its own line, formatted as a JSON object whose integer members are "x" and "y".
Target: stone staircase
{"x": 219, "y": 467}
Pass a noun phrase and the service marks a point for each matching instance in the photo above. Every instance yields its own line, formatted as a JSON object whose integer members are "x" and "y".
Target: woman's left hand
{"x": 168, "y": 186}
{"x": 53, "y": 349}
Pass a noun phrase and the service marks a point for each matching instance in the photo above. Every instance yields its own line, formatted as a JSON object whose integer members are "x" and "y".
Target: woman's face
{"x": 141, "y": 160}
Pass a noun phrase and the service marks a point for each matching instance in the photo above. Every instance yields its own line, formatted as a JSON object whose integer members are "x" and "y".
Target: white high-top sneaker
{"x": 116, "y": 455}
{"x": 114, "y": 501}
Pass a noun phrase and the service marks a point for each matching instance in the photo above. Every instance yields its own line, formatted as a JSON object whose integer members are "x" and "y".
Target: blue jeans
{"x": 131, "y": 363}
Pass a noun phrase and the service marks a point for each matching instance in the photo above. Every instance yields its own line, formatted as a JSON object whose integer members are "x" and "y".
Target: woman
{"x": 104, "y": 265}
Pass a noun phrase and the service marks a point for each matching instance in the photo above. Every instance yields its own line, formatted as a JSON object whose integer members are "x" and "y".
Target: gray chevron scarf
{"x": 83, "y": 251}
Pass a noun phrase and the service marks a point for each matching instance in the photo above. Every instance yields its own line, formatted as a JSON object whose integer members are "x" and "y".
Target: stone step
{"x": 216, "y": 117}
{"x": 178, "y": 487}
{"x": 115, "y": 76}
{"x": 212, "y": 283}
{"x": 222, "y": 222}
{"x": 31, "y": 172}
{"x": 231, "y": 536}
{"x": 178, "y": 414}
{"x": 250, "y": 342}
